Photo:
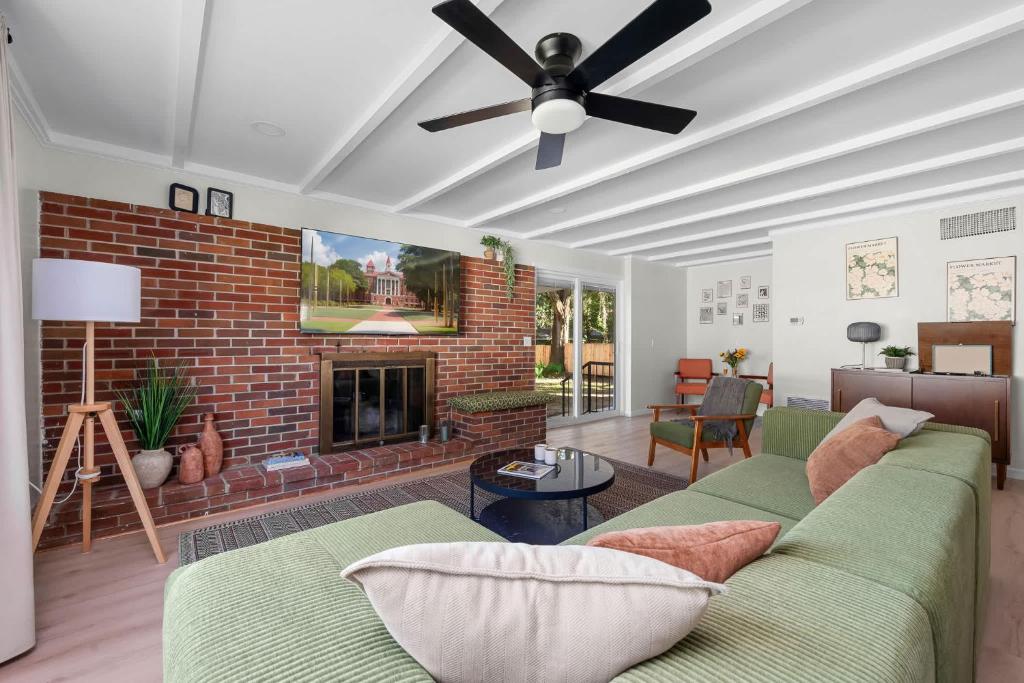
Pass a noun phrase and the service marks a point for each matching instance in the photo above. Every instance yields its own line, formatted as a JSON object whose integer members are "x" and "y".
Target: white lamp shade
{"x": 65, "y": 289}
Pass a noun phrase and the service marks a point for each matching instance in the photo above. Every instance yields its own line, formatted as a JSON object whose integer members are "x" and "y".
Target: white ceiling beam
{"x": 721, "y": 246}
{"x": 195, "y": 19}
{"x": 893, "y": 173}
{"x": 902, "y": 62}
{"x": 855, "y": 207}
{"x": 760, "y": 253}
{"x": 906, "y": 129}
{"x": 438, "y": 50}
{"x": 691, "y": 52}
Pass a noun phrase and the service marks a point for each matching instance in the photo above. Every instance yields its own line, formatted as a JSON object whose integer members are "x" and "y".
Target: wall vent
{"x": 807, "y": 403}
{"x": 980, "y": 223}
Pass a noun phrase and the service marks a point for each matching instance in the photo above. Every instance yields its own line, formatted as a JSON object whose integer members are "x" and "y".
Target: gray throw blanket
{"x": 724, "y": 397}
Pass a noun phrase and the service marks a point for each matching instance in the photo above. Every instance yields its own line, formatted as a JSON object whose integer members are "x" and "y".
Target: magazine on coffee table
{"x": 527, "y": 470}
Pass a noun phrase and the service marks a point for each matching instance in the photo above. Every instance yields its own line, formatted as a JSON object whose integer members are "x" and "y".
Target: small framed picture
{"x": 762, "y": 291}
{"x": 724, "y": 289}
{"x": 760, "y": 313}
{"x": 219, "y": 202}
{"x": 745, "y": 282}
{"x": 742, "y": 300}
{"x": 723, "y": 308}
{"x": 183, "y": 198}
{"x": 737, "y": 318}
{"x": 707, "y": 296}
{"x": 707, "y": 315}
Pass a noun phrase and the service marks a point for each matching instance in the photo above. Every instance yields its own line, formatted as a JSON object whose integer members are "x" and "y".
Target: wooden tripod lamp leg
{"x": 60, "y": 463}
{"x": 125, "y": 463}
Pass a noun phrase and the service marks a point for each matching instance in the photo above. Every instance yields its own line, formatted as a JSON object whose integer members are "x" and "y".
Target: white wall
{"x": 810, "y": 282}
{"x": 707, "y": 341}
{"x": 656, "y": 331}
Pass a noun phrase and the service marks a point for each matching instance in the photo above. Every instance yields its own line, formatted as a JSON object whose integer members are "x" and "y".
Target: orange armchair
{"x": 768, "y": 394}
{"x": 698, "y": 369}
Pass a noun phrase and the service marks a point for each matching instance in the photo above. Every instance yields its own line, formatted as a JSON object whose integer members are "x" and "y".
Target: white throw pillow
{"x": 470, "y": 612}
{"x": 902, "y": 421}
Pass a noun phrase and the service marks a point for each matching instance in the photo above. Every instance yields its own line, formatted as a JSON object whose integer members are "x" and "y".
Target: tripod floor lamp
{"x": 89, "y": 292}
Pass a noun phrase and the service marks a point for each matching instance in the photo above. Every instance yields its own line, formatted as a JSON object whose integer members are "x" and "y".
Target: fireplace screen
{"x": 373, "y": 399}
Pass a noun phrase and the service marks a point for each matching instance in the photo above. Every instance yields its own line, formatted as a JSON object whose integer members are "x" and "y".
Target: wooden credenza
{"x": 982, "y": 402}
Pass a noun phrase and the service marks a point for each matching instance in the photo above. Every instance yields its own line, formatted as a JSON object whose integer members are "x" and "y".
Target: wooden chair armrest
{"x": 764, "y": 377}
{"x": 698, "y": 418}
{"x": 658, "y": 407}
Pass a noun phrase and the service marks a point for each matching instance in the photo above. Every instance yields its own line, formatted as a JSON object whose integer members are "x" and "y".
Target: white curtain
{"x": 17, "y": 615}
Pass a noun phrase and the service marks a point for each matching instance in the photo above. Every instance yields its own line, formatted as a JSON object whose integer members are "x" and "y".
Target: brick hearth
{"x": 224, "y": 294}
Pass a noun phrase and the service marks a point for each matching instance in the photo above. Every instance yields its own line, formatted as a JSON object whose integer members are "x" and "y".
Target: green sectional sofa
{"x": 885, "y": 581}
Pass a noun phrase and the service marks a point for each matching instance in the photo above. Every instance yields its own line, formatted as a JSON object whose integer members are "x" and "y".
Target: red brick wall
{"x": 224, "y": 294}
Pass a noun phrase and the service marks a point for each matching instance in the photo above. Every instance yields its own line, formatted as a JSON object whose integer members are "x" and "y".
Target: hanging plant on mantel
{"x": 508, "y": 260}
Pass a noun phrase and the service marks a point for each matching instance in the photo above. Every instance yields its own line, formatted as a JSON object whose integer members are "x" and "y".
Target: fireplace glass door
{"x": 368, "y": 400}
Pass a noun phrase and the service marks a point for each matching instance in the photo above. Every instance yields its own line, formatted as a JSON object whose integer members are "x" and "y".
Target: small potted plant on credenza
{"x": 896, "y": 356}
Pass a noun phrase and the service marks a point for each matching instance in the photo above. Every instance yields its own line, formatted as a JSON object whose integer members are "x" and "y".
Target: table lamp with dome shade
{"x": 89, "y": 292}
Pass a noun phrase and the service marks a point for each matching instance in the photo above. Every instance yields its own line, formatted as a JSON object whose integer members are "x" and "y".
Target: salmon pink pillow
{"x": 839, "y": 457}
{"x": 713, "y": 551}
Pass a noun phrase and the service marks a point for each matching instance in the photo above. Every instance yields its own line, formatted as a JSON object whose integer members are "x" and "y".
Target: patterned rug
{"x": 633, "y": 487}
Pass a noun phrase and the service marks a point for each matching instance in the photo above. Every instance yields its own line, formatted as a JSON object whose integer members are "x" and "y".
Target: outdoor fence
{"x": 592, "y": 352}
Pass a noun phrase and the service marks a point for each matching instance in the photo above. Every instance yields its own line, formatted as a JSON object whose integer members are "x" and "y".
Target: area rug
{"x": 633, "y": 487}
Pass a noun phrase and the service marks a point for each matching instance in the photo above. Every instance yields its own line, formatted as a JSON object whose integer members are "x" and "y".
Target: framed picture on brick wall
{"x": 219, "y": 202}
{"x": 183, "y": 198}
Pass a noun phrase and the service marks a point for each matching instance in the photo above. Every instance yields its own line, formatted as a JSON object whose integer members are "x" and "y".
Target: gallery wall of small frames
{"x": 720, "y": 300}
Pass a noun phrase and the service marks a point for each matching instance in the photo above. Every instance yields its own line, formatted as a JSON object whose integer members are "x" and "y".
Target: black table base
{"x": 539, "y": 522}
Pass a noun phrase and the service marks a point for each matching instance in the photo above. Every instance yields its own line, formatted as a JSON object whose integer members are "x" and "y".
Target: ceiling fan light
{"x": 558, "y": 116}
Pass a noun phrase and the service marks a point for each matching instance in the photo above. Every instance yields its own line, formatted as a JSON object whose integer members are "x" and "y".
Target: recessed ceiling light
{"x": 267, "y": 128}
{"x": 556, "y": 209}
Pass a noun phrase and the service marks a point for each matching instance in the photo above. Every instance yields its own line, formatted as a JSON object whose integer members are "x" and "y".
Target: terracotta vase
{"x": 212, "y": 447}
{"x": 190, "y": 467}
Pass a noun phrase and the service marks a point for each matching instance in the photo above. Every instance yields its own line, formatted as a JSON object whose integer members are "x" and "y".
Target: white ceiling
{"x": 809, "y": 111}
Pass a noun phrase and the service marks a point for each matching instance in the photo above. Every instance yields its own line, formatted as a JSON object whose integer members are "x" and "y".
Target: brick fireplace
{"x": 224, "y": 295}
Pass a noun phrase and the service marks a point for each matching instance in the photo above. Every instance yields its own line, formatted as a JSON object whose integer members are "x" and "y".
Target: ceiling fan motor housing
{"x": 558, "y": 52}
{"x": 558, "y": 104}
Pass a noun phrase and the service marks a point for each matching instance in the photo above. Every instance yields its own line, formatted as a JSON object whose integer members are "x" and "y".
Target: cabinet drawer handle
{"x": 839, "y": 402}
{"x": 996, "y": 420}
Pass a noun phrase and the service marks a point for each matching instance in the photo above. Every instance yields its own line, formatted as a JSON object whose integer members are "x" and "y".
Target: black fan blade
{"x": 482, "y": 114}
{"x": 636, "y": 113}
{"x": 549, "y": 152}
{"x": 664, "y": 19}
{"x": 464, "y": 17}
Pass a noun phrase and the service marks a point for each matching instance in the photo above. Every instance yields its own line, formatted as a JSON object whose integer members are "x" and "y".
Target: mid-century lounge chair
{"x": 768, "y": 394}
{"x": 688, "y": 435}
{"x": 698, "y": 369}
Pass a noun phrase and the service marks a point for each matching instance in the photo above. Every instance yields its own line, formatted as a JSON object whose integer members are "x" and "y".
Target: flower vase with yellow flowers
{"x": 732, "y": 358}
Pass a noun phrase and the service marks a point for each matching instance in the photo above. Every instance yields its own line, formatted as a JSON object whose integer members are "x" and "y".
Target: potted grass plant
{"x": 896, "y": 356}
{"x": 491, "y": 246}
{"x": 154, "y": 406}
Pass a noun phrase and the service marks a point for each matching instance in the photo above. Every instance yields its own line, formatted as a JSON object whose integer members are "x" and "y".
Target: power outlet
{"x": 527, "y": 341}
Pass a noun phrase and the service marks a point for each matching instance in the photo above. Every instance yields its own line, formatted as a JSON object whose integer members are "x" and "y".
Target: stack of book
{"x": 285, "y": 462}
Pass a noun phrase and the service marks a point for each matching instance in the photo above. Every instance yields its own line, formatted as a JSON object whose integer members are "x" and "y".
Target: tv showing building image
{"x": 357, "y": 285}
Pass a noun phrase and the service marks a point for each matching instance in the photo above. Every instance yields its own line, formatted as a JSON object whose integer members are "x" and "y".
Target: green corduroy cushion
{"x": 281, "y": 611}
{"x": 787, "y": 620}
{"x": 499, "y": 400}
{"x": 767, "y": 482}
{"x": 682, "y": 507}
{"x": 676, "y": 432}
{"x": 909, "y": 530}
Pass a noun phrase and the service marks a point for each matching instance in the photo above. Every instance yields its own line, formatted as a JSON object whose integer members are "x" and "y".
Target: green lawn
{"x": 358, "y": 311}
{"x": 424, "y": 322}
{"x": 329, "y": 326}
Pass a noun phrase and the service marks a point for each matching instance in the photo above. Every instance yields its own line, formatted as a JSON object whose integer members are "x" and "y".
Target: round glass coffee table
{"x": 540, "y": 511}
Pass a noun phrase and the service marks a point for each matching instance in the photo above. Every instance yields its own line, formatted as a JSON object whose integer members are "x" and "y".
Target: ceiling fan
{"x": 562, "y": 90}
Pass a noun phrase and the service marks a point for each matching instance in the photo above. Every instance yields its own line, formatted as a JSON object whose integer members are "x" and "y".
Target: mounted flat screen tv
{"x": 357, "y": 285}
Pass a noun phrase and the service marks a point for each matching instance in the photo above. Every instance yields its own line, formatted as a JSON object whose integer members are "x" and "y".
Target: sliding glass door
{"x": 576, "y": 346}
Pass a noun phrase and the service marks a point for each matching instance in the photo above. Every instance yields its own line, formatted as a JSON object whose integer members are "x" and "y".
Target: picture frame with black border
{"x": 183, "y": 198}
{"x": 760, "y": 313}
{"x": 219, "y": 203}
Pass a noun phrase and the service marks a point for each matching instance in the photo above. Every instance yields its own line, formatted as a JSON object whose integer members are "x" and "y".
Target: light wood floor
{"x": 99, "y": 615}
